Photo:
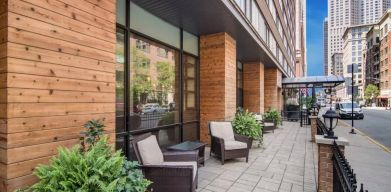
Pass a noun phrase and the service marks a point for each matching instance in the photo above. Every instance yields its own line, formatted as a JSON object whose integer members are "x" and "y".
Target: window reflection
{"x": 120, "y": 82}
{"x": 190, "y": 109}
{"x": 153, "y": 84}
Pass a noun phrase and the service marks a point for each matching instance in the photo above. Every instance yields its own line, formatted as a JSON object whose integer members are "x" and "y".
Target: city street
{"x": 376, "y": 124}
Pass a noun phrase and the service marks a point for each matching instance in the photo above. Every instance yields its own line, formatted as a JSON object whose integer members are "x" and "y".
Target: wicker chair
{"x": 176, "y": 171}
{"x": 268, "y": 125}
{"x": 227, "y": 145}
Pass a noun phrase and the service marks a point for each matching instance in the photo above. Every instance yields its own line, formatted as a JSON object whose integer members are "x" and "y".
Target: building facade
{"x": 372, "y": 57}
{"x": 336, "y": 64}
{"x": 166, "y": 67}
{"x": 354, "y": 39}
{"x": 325, "y": 47}
{"x": 301, "y": 55}
{"x": 343, "y": 14}
{"x": 384, "y": 99}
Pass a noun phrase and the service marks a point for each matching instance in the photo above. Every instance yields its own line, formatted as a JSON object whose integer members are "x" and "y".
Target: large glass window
{"x": 154, "y": 84}
{"x": 239, "y": 85}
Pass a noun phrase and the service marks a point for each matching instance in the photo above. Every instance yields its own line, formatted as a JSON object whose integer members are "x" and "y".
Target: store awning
{"x": 313, "y": 81}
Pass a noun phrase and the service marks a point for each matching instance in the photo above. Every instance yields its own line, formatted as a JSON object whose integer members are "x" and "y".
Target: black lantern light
{"x": 315, "y": 110}
{"x": 330, "y": 120}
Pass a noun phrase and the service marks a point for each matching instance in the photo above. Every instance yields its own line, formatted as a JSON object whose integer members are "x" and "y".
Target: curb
{"x": 386, "y": 149}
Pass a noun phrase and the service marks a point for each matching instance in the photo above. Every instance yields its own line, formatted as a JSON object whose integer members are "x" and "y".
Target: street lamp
{"x": 329, "y": 122}
{"x": 315, "y": 110}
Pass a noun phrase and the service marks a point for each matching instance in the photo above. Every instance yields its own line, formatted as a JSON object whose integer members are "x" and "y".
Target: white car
{"x": 153, "y": 108}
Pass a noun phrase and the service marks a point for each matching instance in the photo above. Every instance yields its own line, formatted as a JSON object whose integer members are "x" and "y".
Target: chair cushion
{"x": 266, "y": 124}
{"x": 192, "y": 163}
{"x": 150, "y": 151}
{"x": 222, "y": 130}
{"x": 258, "y": 117}
{"x": 231, "y": 145}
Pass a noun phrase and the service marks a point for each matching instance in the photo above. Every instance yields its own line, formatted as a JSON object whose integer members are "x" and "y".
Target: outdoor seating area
{"x": 287, "y": 162}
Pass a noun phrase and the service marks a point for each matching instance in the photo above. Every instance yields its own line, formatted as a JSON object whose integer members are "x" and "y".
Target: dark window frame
{"x": 127, "y": 134}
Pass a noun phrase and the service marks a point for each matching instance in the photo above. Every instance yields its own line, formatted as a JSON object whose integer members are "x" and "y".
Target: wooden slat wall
{"x": 57, "y": 71}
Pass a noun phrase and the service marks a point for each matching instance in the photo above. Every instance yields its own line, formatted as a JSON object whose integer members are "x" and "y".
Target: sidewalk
{"x": 288, "y": 163}
{"x": 371, "y": 163}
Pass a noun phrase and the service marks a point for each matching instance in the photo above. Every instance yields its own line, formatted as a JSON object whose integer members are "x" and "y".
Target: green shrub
{"x": 246, "y": 124}
{"x": 167, "y": 119}
{"x": 273, "y": 114}
{"x": 98, "y": 169}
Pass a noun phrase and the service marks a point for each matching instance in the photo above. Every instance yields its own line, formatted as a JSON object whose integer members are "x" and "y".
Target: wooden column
{"x": 253, "y": 87}
{"x": 217, "y": 80}
{"x": 57, "y": 73}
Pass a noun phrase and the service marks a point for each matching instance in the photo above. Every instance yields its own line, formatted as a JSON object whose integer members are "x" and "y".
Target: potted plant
{"x": 246, "y": 124}
{"x": 90, "y": 167}
{"x": 273, "y": 114}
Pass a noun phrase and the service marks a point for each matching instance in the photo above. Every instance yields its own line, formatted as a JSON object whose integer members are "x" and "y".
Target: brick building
{"x": 140, "y": 66}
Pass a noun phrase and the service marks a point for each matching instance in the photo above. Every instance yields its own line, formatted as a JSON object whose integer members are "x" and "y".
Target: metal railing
{"x": 344, "y": 178}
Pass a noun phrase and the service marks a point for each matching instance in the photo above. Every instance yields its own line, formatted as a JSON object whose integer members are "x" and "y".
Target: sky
{"x": 316, "y": 12}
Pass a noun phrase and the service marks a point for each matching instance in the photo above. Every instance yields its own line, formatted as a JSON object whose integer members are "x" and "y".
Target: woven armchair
{"x": 176, "y": 172}
{"x": 227, "y": 145}
{"x": 268, "y": 125}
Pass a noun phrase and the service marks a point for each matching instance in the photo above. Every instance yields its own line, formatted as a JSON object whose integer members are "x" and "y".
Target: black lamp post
{"x": 315, "y": 110}
{"x": 330, "y": 120}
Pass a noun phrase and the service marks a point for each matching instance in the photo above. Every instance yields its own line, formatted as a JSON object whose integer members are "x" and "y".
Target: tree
{"x": 166, "y": 78}
{"x": 141, "y": 82}
{"x": 371, "y": 92}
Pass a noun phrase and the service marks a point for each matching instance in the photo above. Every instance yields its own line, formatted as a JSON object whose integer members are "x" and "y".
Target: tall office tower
{"x": 301, "y": 69}
{"x": 342, "y": 14}
{"x": 325, "y": 47}
{"x": 372, "y": 10}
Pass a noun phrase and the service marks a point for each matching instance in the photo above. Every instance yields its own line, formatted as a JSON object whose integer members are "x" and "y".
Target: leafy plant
{"x": 246, "y": 124}
{"x": 273, "y": 114}
{"x": 371, "y": 92}
{"x": 96, "y": 170}
{"x": 92, "y": 134}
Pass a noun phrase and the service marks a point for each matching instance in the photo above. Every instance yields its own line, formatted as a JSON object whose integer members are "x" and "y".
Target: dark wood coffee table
{"x": 191, "y": 146}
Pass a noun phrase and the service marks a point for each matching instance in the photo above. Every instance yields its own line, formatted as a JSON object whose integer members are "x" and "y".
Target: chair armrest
{"x": 181, "y": 155}
{"x": 218, "y": 141}
{"x": 165, "y": 171}
{"x": 244, "y": 139}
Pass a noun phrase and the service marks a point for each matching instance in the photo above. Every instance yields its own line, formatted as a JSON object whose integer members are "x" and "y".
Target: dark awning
{"x": 313, "y": 81}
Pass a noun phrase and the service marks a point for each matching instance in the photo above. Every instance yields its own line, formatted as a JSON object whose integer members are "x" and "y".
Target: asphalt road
{"x": 376, "y": 124}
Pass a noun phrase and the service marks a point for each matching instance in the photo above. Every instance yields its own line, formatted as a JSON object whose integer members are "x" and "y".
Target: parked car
{"x": 153, "y": 108}
{"x": 347, "y": 110}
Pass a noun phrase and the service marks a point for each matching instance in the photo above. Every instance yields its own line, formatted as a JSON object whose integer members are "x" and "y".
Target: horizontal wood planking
{"x": 3, "y": 20}
{"x": 54, "y": 70}
{"x": 22, "y": 168}
{"x": 3, "y": 6}
{"x": 19, "y": 154}
{"x": 17, "y": 95}
{"x": 93, "y": 9}
{"x": 3, "y": 65}
{"x": 60, "y": 73}
{"x": 66, "y": 10}
{"x": 54, "y": 83}
{"x": 39, "y": 27}
{"x": 3, "y": 50}
{"x": 15, "y": 110}
{"x": 3, "y": 35}
{"x": 17, "y": 183}
{"x": 15, "y": 140}
{"x": 20, "y": 36}
{"x": 48, "y": 16}
{"x": 108, "y": 5}
{"x": 43, "y": 55}
{"x": 16, "y": 125}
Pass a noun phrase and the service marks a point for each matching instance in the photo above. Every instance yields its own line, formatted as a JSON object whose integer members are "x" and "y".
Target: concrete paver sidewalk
{"x": 370, "y": 162}
{"x": 288, "y": 163}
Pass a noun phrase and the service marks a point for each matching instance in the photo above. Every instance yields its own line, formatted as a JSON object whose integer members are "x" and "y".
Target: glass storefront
{"x": 156, "y": 81}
